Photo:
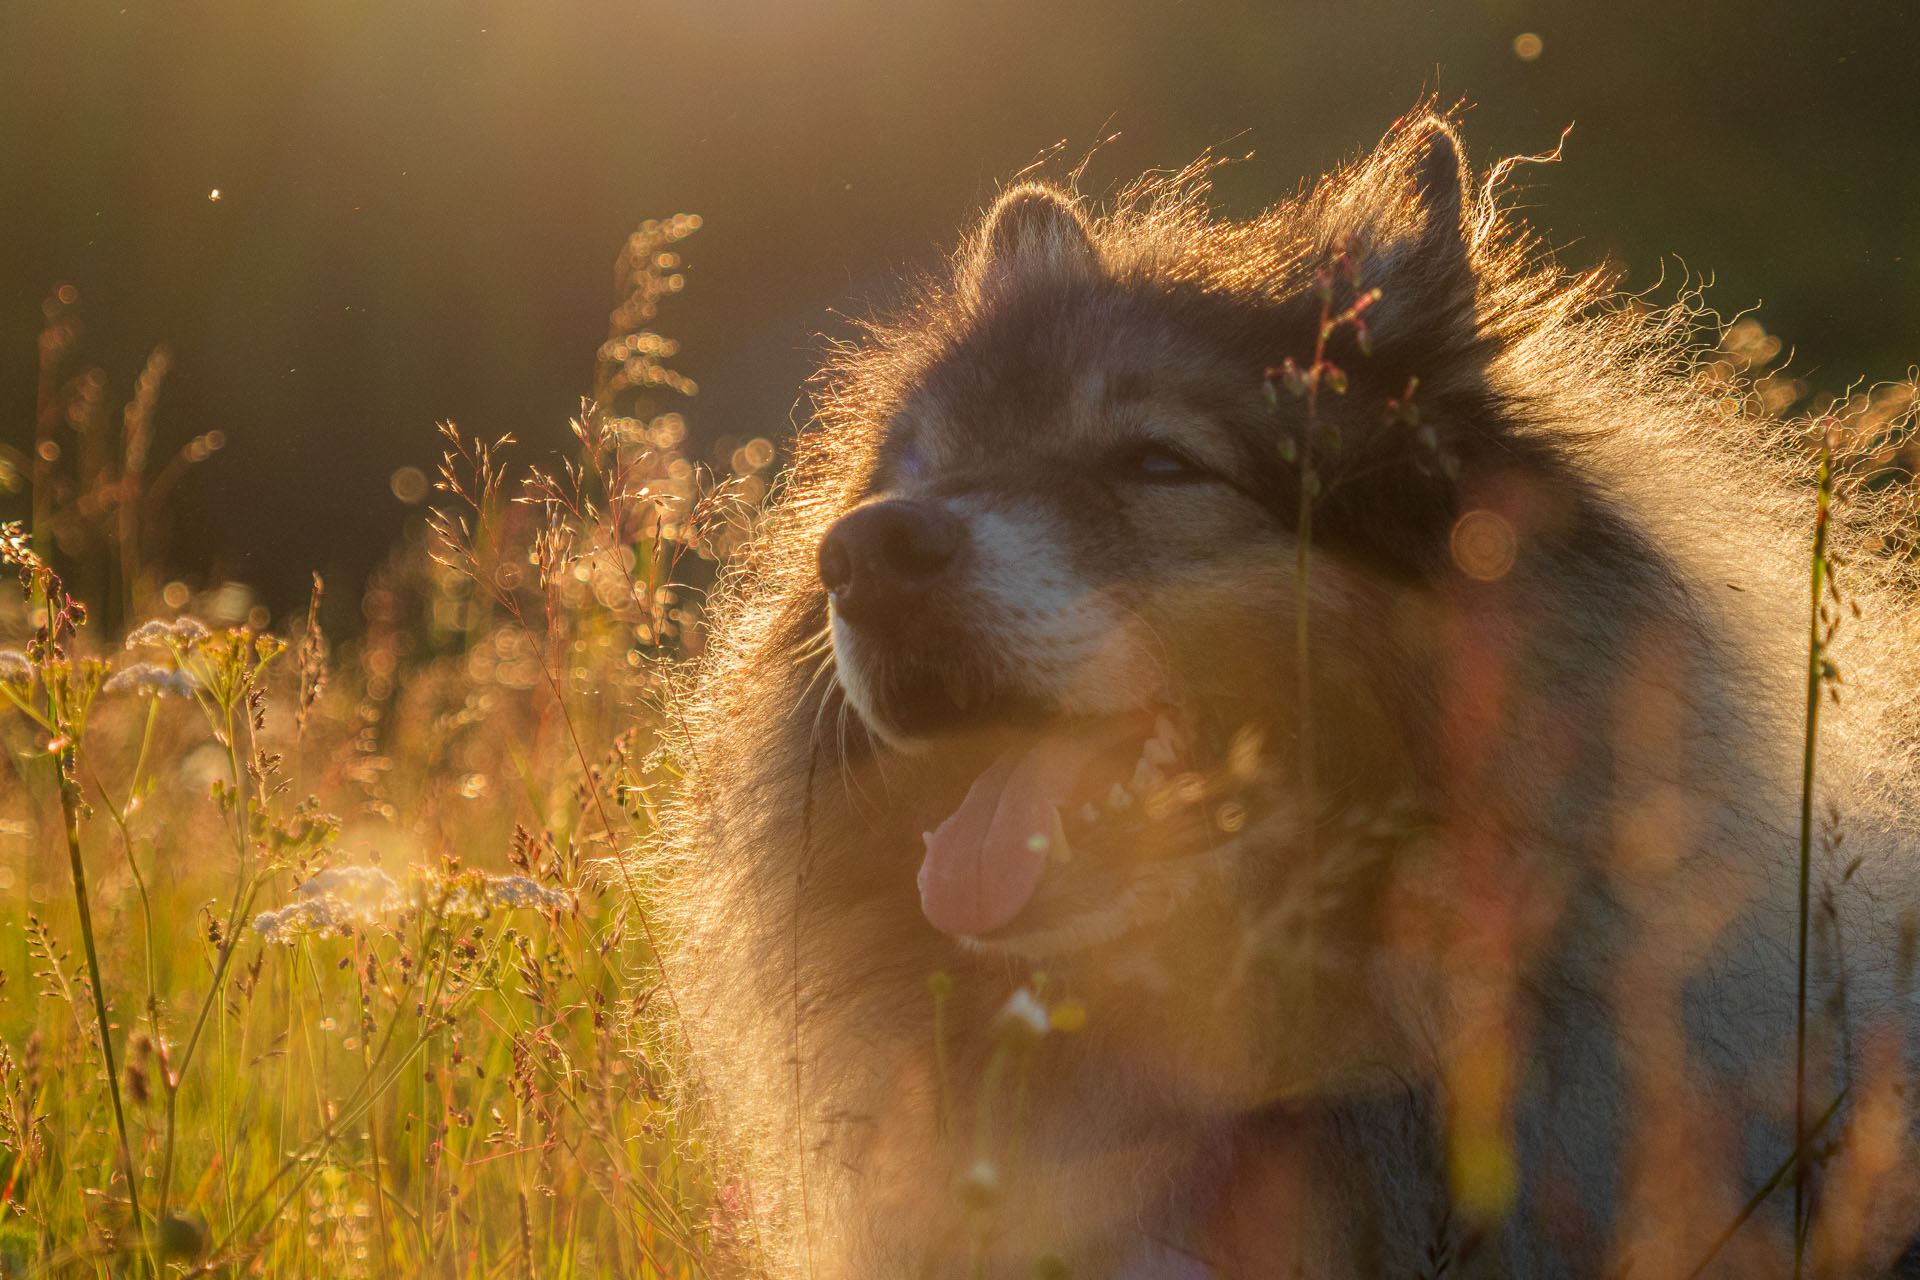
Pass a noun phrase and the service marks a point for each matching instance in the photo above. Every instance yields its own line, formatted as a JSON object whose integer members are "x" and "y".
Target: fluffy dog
{"x": 1273, "y": 748}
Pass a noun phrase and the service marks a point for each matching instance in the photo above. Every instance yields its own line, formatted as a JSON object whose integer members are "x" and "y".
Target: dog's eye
{"x": 1159, "y": 462}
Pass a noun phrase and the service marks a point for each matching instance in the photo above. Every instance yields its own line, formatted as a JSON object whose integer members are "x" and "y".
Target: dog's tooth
{"x": 1157, "y": 751}
{"x": 1145, "y": 777}
{"x": 1059, "y": 850}
{"x": 1163, "y": 730}
{"x": 1089, "y": 814}
{"x": 1118, "y": 798}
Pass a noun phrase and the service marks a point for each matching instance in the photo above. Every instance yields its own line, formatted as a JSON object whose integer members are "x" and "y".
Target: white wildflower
{"x": 302, "y": 919}
{"x": 340, "y": 897}
{"x": 150, "y": 633}
{"x": 1022, "y": 1017}
{"x": 358, "y": 893}
{"x": 519, "y": 891}
{"x": 183, "y": 630}
{"x": 153, "y": 680}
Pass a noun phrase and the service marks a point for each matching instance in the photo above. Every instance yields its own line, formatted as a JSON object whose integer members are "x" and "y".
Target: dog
{"x": 1274, "y": 748}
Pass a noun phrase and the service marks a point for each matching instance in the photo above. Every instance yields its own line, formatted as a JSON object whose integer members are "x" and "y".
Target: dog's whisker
{"x": 813, "y": 644}
{"x": 815, "y": 737}
{"x": 826, "y": 667}
{"x": 858, "y": 795}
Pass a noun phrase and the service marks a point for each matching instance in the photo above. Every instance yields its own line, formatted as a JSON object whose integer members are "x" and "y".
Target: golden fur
{"x": 1521, "y": 1000}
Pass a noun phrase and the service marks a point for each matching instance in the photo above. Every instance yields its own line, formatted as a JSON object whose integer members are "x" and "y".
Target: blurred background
{"x": 348, "y": 220}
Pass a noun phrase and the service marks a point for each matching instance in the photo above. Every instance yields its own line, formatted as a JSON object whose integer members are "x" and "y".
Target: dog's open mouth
{"x": 1007, "y": 860}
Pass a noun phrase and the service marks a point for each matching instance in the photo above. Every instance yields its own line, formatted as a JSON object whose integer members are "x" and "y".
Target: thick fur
{"x": 1521, "y": 998}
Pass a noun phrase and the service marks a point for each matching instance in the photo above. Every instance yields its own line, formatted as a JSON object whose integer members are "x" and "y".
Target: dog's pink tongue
{"x": 984, "y": 862}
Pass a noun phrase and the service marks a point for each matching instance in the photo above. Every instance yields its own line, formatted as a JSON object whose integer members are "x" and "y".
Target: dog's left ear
{"x": 1416, "y": 228}
{"x": 1033, "y": 230}
{"x": 1440, "y": 191}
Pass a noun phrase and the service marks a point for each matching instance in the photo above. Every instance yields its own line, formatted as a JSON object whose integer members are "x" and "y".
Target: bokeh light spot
{"x": 1483, "y": 545}
{"x": 1527, "y": 46}
{"x": 409, "y": 484}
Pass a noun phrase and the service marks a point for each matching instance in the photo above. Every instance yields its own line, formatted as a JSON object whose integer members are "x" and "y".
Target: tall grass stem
{"x": 70, "y": 811}
{"x": 1816, "y": 679}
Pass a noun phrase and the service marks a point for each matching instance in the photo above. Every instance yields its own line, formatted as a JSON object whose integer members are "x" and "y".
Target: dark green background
{"x": 421, "y": 201}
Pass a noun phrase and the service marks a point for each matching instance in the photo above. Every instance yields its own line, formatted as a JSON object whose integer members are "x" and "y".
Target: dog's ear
{"x": 1411, "y": 204}
{"x": 1440, "y": 180}
{"x": 1032, "y": 230}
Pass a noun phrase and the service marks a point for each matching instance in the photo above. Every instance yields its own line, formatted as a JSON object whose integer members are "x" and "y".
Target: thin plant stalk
{"x": 1816, "y": 678}
{"x": 941, "y": 986}
{"x": 70, "y": 811}
{"x": 1303, "y": 676}
{"x": 983, "y": 1152}
{"x": 373, "y": 1128}
{"x": 120, "y": 814}
{"x": 1793, "y": 1162}
{"x": 1307, "y": 384}
{"x": 1302, "y": 600}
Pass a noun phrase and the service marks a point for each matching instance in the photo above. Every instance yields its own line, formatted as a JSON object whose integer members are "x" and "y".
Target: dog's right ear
{"x": 1032, "y": 231}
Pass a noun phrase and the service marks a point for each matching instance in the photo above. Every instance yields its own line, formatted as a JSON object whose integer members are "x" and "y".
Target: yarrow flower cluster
{"x": 366, "y": 891}
{"x": 342, "y": 897}
{"x": 519, "y": 891}
{"x": 334, "y": 899}
{"x": 478, "y": 894}
{"x": 298, "y": 920}
{"x": 180, "y": 631}
{"x": 152, "y": 680}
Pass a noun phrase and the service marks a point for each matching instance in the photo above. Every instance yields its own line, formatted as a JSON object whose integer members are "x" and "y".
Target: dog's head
{"x": 1067, "y": 591}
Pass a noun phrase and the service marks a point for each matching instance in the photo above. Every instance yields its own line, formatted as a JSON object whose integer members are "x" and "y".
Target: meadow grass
{"x": 318, "y": 959}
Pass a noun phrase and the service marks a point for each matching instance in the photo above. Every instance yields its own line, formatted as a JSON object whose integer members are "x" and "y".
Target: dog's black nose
{"x": 880, "y": 557}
